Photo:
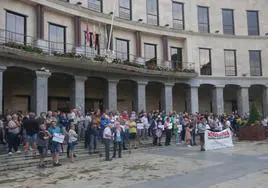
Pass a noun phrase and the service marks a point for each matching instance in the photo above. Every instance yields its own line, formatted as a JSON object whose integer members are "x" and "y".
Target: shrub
{"x": 254, "y": 115}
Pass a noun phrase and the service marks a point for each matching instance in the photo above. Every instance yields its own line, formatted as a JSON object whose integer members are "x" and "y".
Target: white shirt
{"x": 169, "y": 126}
{"x": 72, "y": 136}
{"x": 145, "y": 122}
{"x": 179, "y": 128}
{"x": 140, "y": 126}
{"x": 107, "y": 131}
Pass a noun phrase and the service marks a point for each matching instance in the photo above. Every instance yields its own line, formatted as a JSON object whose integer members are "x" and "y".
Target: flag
{"x": 87, "y": 35}
{"x": 105, "y": 37}
{"x": 94, "y": 36}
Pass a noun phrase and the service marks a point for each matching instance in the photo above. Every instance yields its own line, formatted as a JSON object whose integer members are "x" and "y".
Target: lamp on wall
{"x": 140, "y": 20}
{"x": 79, "y": 3}
{"x": 217, "y": 31}
{"x": 167, "y": 25}
{"x": 111, "y": 13}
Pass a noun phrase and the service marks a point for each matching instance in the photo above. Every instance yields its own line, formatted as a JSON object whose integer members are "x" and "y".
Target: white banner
{"x": 217, "y": 140}
{"x": 58, "y": 138}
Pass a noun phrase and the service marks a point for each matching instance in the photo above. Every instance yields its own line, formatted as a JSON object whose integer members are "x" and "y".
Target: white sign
{"x": 217, "y": 140}
{"x": 58, "y": 138}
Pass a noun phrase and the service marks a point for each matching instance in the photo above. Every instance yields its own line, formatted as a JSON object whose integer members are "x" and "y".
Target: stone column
{"x": 40, "y": 21}
{"x": 165, "y": 47}
{"x": 194, "y": 103}
{"x": 265, "y": 101}
{"x": 168, "y": 97}
{"x": 138, "y": 43}
{"x": 77, "y": 31}
{"x": 141, "y": 96}
{"x": 217, "y": 100}
{"x": 41, "y": 92}
{"x": 79, "y": 93}
{"x": 243, "y": 100}
{"x": 2, "y": 69}
{"x": 112, "y": 95}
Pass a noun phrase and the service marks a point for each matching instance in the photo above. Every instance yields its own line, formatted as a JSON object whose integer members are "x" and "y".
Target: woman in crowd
{"x": 168, "y": 129}
{"x": 14, "y": 128}
{"x": 132, "y": 131}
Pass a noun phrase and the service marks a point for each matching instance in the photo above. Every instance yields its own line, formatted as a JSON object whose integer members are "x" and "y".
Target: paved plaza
{"x": 245, "y": 165}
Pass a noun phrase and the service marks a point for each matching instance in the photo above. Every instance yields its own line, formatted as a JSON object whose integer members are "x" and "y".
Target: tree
{"x": 254, "y": 115}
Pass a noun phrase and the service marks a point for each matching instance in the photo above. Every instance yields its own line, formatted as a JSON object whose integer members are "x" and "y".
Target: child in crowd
{"x": 188, "y": 136}
{"x": 72, "y": 139}
{"x": 42, "y": 144}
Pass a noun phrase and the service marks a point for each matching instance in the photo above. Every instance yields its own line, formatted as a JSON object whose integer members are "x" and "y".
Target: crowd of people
{"x": 55, "y": 130}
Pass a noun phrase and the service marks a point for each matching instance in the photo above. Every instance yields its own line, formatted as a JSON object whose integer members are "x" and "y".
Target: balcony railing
{"x": 31, "y": 44}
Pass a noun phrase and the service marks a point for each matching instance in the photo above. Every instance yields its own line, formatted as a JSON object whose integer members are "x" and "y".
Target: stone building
{"x": 200, "y": 55}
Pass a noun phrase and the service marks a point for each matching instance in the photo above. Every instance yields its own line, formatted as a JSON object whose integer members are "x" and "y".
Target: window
{"x": 15, "y": 27}
{"x": 230, "y": 62}
{"x": 255, "y": 63}
{"x": 95, "y": 5}
{"x": 125, "y": 9}
{"x": 203, "y": 19}
{"x": 150, "y": 51}
{"x": 57, "y": 38}
{"x": 205, "y": 61}
{"x": 122, "y": 49}
{"x": 176, "y": 58}
{"x": 228, "y": 21}
{"x": 253, "y": 22}
{"x": 152, "y": 12}
{"x": 178, "y": 15}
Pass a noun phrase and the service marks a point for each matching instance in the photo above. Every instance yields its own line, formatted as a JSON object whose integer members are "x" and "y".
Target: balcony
{"x": 91, "y": 58}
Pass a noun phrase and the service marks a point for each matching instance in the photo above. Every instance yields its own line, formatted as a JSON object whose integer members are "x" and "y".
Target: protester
{"x": 13, "y": 134}
{"x": 55, "y": 132}
{"x": 201, "y": 132}
{"x": 72, "y": 141}
{"x": 107, "y": 137}
{"x": 42, "y": 144}
{"x": 168, "y": 129}
{"x": 188, "y": 135}
{"x": 31, "y": 127}
{"x": 132, "y": 131}
{"x": 118, "y": 139}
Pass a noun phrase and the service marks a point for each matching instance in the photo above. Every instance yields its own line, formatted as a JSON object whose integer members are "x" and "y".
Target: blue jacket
{"x": 104, "y": 122}
{"x": 64, "y": 122}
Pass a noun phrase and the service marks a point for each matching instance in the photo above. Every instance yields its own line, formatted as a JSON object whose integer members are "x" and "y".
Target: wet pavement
{"x": 245, "y": 165}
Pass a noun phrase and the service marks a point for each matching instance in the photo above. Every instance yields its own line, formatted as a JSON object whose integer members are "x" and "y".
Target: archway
{"x": 154, "y": 96}
{"x": 181, "y": 98}
{"x": 18, "y": 90}
{"x": 230, "y": 98}
{"x": 96, "y": 94}
{"x": 60, "y": 91}
{"x": 127, "y": 95}
{"x": 205, "y": 98}
{"x": 256, "y": 96}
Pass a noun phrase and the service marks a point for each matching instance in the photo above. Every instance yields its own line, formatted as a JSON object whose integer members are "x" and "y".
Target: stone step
{"x": 21, "y": 162}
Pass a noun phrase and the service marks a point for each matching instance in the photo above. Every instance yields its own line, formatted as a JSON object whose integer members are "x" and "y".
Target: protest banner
{"x": 217, "y": 140}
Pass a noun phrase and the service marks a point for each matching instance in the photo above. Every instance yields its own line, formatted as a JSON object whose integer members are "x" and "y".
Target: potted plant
{"x": 151, "y": 64}
{"x": 253, "y": 129}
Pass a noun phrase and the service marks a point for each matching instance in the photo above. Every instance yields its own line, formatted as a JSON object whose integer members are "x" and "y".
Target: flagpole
{"x": 111, "y": 30}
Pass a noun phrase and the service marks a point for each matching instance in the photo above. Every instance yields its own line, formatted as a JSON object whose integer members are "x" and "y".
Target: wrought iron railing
{"x": 31, "y": 44}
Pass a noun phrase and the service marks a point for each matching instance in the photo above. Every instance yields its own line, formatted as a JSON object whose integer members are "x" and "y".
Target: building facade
{"x": 196, "y": 56}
